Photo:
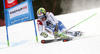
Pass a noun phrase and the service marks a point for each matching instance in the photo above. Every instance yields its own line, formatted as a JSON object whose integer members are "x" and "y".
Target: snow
{"x": 23, "y": 41}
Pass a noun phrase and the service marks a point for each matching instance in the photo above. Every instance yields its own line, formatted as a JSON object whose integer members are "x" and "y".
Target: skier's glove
{"x": 56, "y": 34}
{"x": 44, "y": 34}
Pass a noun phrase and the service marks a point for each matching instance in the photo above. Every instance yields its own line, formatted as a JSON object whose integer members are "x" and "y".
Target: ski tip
{"x": 42, "y": 41}
{"x": 64, "y": 40}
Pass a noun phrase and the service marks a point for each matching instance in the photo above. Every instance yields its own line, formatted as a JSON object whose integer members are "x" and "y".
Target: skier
{"x": 52, "y": 25}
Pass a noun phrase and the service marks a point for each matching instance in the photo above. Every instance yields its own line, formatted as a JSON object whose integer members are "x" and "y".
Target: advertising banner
{"x": 10, "y": 3}
{"x": 19, "y": 13}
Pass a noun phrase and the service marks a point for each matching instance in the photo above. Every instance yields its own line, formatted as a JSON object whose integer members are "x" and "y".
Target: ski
{"x": 55, "y": 40}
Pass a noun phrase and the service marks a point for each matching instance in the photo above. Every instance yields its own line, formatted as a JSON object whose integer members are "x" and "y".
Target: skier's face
{"x": 43, "y": 19}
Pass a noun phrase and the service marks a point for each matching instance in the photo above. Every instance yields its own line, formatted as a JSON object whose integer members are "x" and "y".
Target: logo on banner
{"x": 10, "y": 3}
{"x": 18, "y": 10}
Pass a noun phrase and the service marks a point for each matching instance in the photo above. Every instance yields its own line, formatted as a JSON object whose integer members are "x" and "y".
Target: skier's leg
{"x": 62, "y": 28}
{"x": 49, "y": 30}
{"x": 74, "y": 33}
{"x": 53, "y": 31}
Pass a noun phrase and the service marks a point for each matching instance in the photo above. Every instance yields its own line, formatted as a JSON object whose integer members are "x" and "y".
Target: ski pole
{"x": 78, "y": 23}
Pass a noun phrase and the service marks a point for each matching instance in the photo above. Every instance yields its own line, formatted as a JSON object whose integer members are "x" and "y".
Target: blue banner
{"x": 18, "y": 13}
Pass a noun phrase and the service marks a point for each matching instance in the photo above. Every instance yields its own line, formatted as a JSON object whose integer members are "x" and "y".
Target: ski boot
{"x": 44, "y": 34}
{"x": 78, "y": 33}
{"x": 63, "y": 36}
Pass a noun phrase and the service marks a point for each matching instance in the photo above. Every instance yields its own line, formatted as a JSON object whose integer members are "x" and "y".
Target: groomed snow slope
{"x": 28, "y": 45}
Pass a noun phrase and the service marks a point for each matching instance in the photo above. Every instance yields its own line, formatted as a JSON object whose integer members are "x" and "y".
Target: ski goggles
{"x": 41, "y": 16}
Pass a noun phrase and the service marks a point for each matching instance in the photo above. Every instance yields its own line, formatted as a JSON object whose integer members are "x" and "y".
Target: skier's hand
{"x": 56, "y": 34}
{"x": 44, "y": 34}
{"x": 56, "y": 30}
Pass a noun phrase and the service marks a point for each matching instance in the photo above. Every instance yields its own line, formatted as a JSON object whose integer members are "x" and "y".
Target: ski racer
{"x": 47, "y": 21}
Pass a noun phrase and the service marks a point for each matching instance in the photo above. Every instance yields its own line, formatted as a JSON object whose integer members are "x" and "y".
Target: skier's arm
{"x": 55, "y": 23}
{"x": 53, "y": 19}
{"x": 40, "y": 26}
